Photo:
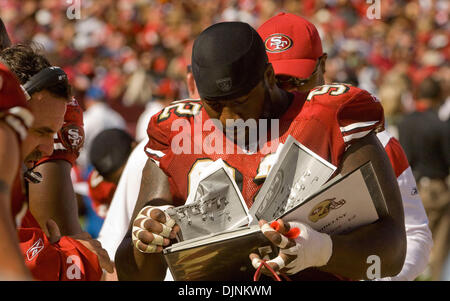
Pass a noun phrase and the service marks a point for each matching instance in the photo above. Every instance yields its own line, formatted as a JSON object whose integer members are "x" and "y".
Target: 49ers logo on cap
{"x": 278, "y": 42}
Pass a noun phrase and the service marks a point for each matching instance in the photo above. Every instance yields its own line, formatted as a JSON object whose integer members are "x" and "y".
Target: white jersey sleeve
{"x": 122, "y": 205}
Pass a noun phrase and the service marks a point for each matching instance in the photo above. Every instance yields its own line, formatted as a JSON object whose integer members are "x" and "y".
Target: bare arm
{"x": 12, "y": 265}
{"x": 385, "y": 238}
{"x": 54, "y": 198}
{"x": 130, "y": 263}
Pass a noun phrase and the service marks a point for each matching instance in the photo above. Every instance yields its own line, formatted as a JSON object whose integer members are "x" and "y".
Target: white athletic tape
{"x": 170, "y": 222}
{"x": 267, "y": 228}
{"x": 136, "y": 231}
{"x": 165, "y": 230}
{"x": 256, "y": 262}
{"x": 151, "y": 248}
{"x": 279, "y": 261}
{"x": 157, "y": 239}
{"x": 294, "y": 250}
{"x": 136, "y": 245}
{"x": 312, "y": 249}
{"x": 284, "y": 241}
{"x": 142, "y": 223}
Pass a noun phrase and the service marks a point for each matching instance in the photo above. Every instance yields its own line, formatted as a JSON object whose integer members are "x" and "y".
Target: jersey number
{"x": 180, "y": 109}
{"x": 333, "y": 90}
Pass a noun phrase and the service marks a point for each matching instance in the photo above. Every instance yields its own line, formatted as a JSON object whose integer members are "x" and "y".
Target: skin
{"x": 36, "y": 144}
{"x": 12, "y": 266}
{"x": 350, "y": 251}
{"x": 54, "y": 196}
{"x": 192, "y": 87}
{"x": 53, "y": 199}
{"x": 49, "y": 117}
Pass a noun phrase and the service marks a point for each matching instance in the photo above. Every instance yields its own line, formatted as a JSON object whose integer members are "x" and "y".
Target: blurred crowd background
{"x": 131, "y": 54}
{"x": 137, "y": 51}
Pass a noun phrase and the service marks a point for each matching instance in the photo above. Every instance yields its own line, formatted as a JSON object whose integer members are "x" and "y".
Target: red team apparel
{"x": 327, "y": 121}
{"x": 101, "y": 192}
{"x": 67, "y": 259}
{"x": 14, "y": 113}
{"x": 13, "y": 105}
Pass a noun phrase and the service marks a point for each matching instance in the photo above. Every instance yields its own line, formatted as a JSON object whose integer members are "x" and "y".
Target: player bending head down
{"x": 235, "y": 81}
{"x": 48, "y": 92}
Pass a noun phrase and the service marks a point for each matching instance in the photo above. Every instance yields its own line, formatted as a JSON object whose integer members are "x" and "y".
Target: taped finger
{"x": 143, "y": 248}
{"x": 147, "y": 237}
{"x": 157, "y": 239}
{"x": 284, "y": 241}
{"x": 277, "y": 238}
{"x": 142, "y": 223}
{"x": 256, "y": 262}
{"x": 135, "y": 233}
{"x": 267, "y": 228}
{"x": 170, "y": 222}
{"x": 165, "y": 230}
{"x": 279, "y": 261}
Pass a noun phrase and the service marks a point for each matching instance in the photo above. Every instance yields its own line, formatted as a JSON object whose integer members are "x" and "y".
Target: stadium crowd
{"x": 123, "y": 45}
{"x": 131, "y": 54}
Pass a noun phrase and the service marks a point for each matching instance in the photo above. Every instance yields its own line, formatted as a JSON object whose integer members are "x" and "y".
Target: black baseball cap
{"x": 110, "y": 150}
{"x": 228, "y": 60}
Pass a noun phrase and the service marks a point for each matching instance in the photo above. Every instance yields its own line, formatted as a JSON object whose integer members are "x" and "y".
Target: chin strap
{"x": 33, "y": 177}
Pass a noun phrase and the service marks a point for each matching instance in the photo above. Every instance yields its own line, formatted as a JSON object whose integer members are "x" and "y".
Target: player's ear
{"x": 269, "y": 75}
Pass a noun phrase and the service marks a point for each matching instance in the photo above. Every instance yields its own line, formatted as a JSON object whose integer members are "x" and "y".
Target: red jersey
{"x": 101, "y": 193}
{"x": 327, "y": 121}
{"x": 66, "y": 260}
{"x": 13, "y": 106}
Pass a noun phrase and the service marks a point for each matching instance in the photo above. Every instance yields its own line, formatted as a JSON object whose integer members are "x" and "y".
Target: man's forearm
{"x": 12, "y": 265}
{"x": 54, "y": 198}
{"x": 351, "y": 251}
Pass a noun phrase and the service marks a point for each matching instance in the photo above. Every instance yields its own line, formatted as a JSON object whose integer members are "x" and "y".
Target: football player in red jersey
{"x": 109, "y": 154}
{"x": 299, "y": 68}
{"x": 48, "y": 255}
{"x": 235, "y": 81}
{"x": 14, "y": 122}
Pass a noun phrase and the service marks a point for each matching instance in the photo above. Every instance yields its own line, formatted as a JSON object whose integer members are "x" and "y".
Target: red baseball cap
{"x": 292, "y": 44}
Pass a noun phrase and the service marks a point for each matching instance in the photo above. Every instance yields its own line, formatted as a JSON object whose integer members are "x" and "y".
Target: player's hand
{"x": 300, "y": 246}
{"x": 86, "y": 240}
{"x": 153, "y": 229}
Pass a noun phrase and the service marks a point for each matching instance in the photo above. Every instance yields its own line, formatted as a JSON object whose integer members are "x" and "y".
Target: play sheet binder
{"x": 343, "y": 204}
{"x": 215, "y": 205}
{"x": 221, "y": 251}
{"x": 297, "y": 173}
{"x": 221, "y": 256}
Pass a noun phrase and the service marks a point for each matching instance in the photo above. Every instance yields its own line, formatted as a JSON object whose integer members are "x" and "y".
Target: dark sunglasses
{"x": 295, "y": 81}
